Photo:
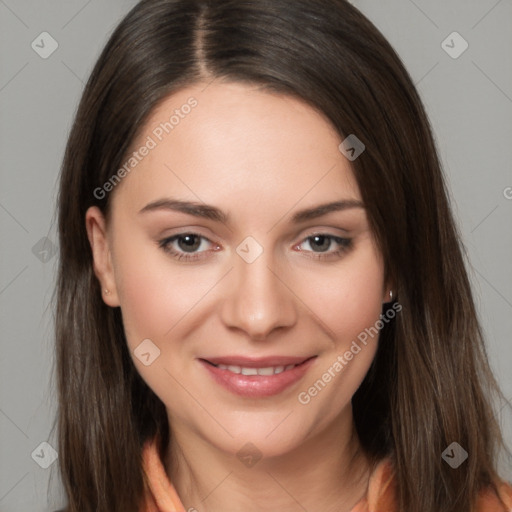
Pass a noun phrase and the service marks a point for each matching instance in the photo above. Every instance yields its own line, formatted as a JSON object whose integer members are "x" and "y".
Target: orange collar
{"x": 161, "y": 496}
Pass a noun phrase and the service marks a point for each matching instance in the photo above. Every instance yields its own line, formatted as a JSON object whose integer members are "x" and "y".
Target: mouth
{"x": 257, "y": 377}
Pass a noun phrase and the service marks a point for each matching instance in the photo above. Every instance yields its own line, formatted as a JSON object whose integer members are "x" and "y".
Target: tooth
{"x": 269, "y": 370}
{"x": 249, "y": 371}
{"x": 266, "y": 371}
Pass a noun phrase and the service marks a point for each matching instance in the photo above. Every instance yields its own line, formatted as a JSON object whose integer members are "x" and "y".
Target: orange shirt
{"x": 161, "y": 496}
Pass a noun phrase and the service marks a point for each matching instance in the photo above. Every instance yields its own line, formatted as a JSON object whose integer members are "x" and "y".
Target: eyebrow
{"x": 213, "y": 213}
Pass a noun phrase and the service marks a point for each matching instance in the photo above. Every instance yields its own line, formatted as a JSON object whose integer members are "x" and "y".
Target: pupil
{"x": 192, "y": 242}
{"x": 324, "y": 239}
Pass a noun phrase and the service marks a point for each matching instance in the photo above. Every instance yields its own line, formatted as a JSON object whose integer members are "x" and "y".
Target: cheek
{"x": 142, "y": 294}
{"x": 153, "y": 294}
{"x": 349, "y": 304}
{"x": 154, "y": 298}
{"x": 347, "y": 298}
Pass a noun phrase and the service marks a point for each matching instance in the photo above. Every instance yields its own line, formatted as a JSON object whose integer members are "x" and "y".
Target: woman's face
{"x": 217, "y": 251}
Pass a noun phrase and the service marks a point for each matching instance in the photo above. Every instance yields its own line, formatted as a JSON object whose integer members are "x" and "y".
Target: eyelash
{"x": 344, "y": 243}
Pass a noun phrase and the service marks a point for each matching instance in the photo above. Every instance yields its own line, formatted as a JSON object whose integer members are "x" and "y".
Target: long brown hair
{"x": 430, "y": 383}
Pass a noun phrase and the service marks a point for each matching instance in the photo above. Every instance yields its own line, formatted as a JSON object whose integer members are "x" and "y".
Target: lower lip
{"x": 257, "y": 386}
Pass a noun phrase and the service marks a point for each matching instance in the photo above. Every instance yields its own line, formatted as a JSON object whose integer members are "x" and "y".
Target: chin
{"x": 262, "y": 440}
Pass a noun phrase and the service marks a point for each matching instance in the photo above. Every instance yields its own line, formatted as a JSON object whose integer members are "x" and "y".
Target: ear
{"x": 102, "y": 261}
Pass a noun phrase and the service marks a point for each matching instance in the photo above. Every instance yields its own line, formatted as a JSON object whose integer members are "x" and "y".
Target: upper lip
{"x": 254, "y": 362}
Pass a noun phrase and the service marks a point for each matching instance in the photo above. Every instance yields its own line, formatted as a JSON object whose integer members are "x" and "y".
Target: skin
{"x": 260, "y": 157}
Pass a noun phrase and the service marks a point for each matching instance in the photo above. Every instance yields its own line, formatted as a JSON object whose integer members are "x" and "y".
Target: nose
{"x": 258, "y": 300}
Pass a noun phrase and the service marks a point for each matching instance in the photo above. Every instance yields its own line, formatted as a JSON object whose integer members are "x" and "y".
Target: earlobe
{"x": 101, "y": 252}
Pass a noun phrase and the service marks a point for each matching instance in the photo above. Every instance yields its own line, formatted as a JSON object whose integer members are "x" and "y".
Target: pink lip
{"x": 257, "y": 386}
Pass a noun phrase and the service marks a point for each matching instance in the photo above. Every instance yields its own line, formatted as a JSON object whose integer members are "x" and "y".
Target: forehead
{"x": 227, "y": 141}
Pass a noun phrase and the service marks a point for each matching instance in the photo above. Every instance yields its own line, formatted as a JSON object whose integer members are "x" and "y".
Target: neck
{"x": 329, "y": 471}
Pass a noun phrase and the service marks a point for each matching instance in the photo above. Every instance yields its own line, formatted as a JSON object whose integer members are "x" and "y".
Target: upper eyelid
{"x": 345, "y": 233}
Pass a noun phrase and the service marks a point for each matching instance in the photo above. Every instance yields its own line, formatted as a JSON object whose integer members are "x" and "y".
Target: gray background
{"x": 468, "y": 99}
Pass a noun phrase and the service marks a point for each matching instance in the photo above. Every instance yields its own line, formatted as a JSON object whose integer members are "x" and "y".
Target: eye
{"x": 320, "y": 244}
{"x": 184, "y": 246}
{"x": 187, "y": 246}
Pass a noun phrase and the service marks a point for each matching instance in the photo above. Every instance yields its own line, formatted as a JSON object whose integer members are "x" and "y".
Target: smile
{"x": 257, "y": 379}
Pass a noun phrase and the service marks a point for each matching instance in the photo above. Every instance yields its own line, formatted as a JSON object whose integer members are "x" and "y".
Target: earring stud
{"x": 391, "y": 295}
{"x": 107, "y": 292}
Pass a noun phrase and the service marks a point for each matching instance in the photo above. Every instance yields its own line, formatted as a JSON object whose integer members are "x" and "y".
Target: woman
{"x": 262, "y": 298}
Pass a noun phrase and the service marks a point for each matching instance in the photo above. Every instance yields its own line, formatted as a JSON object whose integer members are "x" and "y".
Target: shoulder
{"x": 489, "y": 501}
{"x": 383, "y": 492}
{"x": 382, "y": 486}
